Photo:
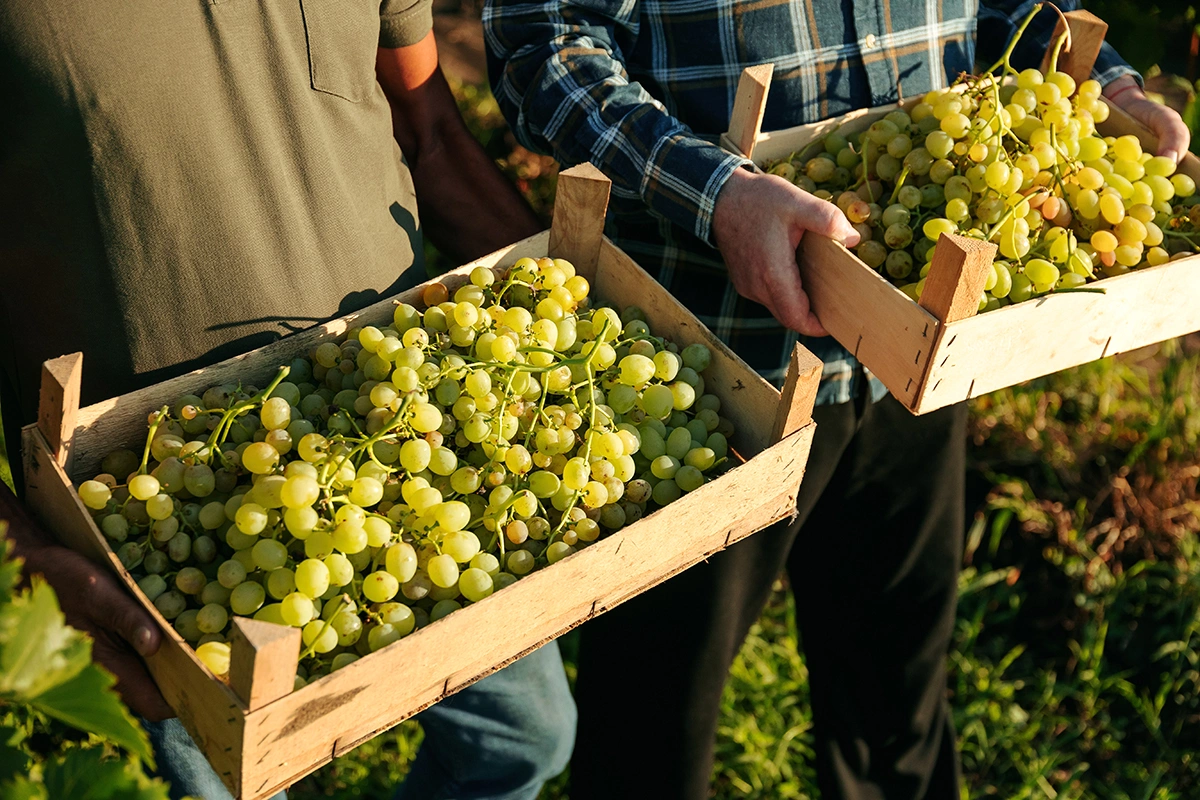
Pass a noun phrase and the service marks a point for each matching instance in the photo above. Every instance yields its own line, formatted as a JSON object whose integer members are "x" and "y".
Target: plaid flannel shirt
{"x": 643, "y": 89}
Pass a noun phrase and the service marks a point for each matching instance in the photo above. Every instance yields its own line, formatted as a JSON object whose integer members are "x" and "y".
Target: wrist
{"x": 1123, "y": 90}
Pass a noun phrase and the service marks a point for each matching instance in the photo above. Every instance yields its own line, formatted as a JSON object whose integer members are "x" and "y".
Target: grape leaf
{"x": 13, "y": 760}
{"x": 85, "y": 774}
{"x": 37, "y": 649}
{"x": 22, "y": 788}
{"x": 88, "y": 702}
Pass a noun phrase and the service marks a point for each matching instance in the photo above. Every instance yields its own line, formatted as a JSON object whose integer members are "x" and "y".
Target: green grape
{"x": 95, "y": 495}
{"x": 214, "y": 656}
{"x": 246, "y": 598}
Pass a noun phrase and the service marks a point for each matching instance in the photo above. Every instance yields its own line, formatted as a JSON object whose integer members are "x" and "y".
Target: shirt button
{"x": 869, "y": 41}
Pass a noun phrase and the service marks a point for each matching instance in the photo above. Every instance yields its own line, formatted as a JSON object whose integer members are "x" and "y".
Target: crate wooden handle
{"x": 1087, "y": 36}
{"x": 262, "y": 661}
{"x": 749, "y": 105}
{"x": 956, "y": 277}
{"x": 577, "y": 230}
{"x": 58, "y": 404}
{"x": 799, "y": 394}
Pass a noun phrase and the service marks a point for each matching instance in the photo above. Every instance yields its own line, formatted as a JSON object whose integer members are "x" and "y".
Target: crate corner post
{"x": 749, "y": 105}
{"x": 58, "y": 404}
{"x": 577, "y": 230}
{"x": 1087, "y": 37}
{"x": 956, "y": 278}
{"x": 262, "y": 661}
{"x": 799, "y": 394}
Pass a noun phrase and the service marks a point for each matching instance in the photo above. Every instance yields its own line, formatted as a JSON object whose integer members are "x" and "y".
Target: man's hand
{"x": 1162, "y": 121}
{"x": 758, "y": 223}
{"x": 94, "y": 602}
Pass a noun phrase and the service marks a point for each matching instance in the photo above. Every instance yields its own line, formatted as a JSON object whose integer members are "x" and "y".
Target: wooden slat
{"x": 577, "y": 230}
{"x": 121, "y": 421}
{"x": 774, "y": 145}
{"x": 746, "y": 399}
{"x": 58, "y": 404}
{"x": 956, "y": 277}
{"x": 263, "y": 660}
{"x": 875, "y": 321}
{"x": 207, "y": 707}
{"x": 1087, "y": 36}
{"x": 327, "y": 718}
{"x": 749, "y": 104}
{"x": 1038, "y": 337}
{"x": 799, "y": 393}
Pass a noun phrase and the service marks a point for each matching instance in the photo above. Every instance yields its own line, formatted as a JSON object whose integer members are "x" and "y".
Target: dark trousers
{"x": 873, "y": 561}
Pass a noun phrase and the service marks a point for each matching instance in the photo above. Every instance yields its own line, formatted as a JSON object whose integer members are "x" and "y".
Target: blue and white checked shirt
{"x": 643, "y": 89}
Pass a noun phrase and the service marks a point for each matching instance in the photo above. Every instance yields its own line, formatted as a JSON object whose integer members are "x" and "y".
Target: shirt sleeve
{"x": 557, "y": 69}
{"x": 404, "y": 22}
{"x": 998, "y": 23}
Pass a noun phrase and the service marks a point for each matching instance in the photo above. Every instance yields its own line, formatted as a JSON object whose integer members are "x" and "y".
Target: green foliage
{"x": 46, "y": 678}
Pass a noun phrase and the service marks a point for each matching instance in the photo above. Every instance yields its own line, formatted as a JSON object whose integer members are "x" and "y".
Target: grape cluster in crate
{"x": 1012, "y": 158}
{"x": 377, "y": 484}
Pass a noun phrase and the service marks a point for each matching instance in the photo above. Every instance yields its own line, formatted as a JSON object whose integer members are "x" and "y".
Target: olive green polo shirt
{"x": 183, "y": 180}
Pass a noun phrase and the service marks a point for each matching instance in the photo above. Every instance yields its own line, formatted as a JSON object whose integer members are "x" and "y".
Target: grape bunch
{"x": 1012, "y": 158}
{"x": 383, "y": 480}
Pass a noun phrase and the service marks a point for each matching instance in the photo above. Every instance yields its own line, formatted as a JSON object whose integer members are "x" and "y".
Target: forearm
{"x": 561, "y": 83}
{"x": 468, "y": 207}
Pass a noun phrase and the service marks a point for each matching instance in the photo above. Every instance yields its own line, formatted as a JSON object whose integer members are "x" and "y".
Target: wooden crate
{"x": 260, "y": 735}
{"x": 940, "y": 352}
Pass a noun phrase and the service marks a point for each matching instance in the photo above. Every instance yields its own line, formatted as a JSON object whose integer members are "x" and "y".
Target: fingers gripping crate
{"x": 940, "y": 352}
{"x": 257, "y": 732}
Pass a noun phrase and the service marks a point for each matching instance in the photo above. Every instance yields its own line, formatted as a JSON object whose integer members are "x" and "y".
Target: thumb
{"x": 113, "y": 609}
{"x": 825, "y": 219}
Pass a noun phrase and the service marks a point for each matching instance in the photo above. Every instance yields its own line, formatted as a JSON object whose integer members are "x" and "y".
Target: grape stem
{"x": 1012, "y": 44}
{"x": 222, "y": 430}
{"x": 158, "y": 417}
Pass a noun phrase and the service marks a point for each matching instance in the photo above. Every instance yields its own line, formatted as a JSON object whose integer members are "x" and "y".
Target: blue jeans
{"x": 499, "y": 739}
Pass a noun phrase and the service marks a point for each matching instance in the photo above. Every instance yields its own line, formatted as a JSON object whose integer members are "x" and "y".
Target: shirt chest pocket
{"x": 343, "y": 36}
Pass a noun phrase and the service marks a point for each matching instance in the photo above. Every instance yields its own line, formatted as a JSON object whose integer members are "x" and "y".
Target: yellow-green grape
{"x": 296, "y": 609}
{"x": 160, "y": 507}
{"x": 380, "y": 586}
{"x": 260, "y": 458}
{"x": 1183, "y": 184}
{"x": 320, "y": 636}
{"x": 269, "y": 554}
{"x": 558, "y": 551}
{"x": 143, "y": 487}
{"x": 251, "y": 519}
{"x": 94, "y": 494}
{"x": 1104, "y": 242}
{"x": 247, "y": 598}
{"x": 443, "y": 570}
{"x": 1042, "y": 273}
{"x": 934, "y": 228}
{"x": 1112, "y": 209}
{"x": 475, "y": 584}
{"x": 215, "y": 656}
